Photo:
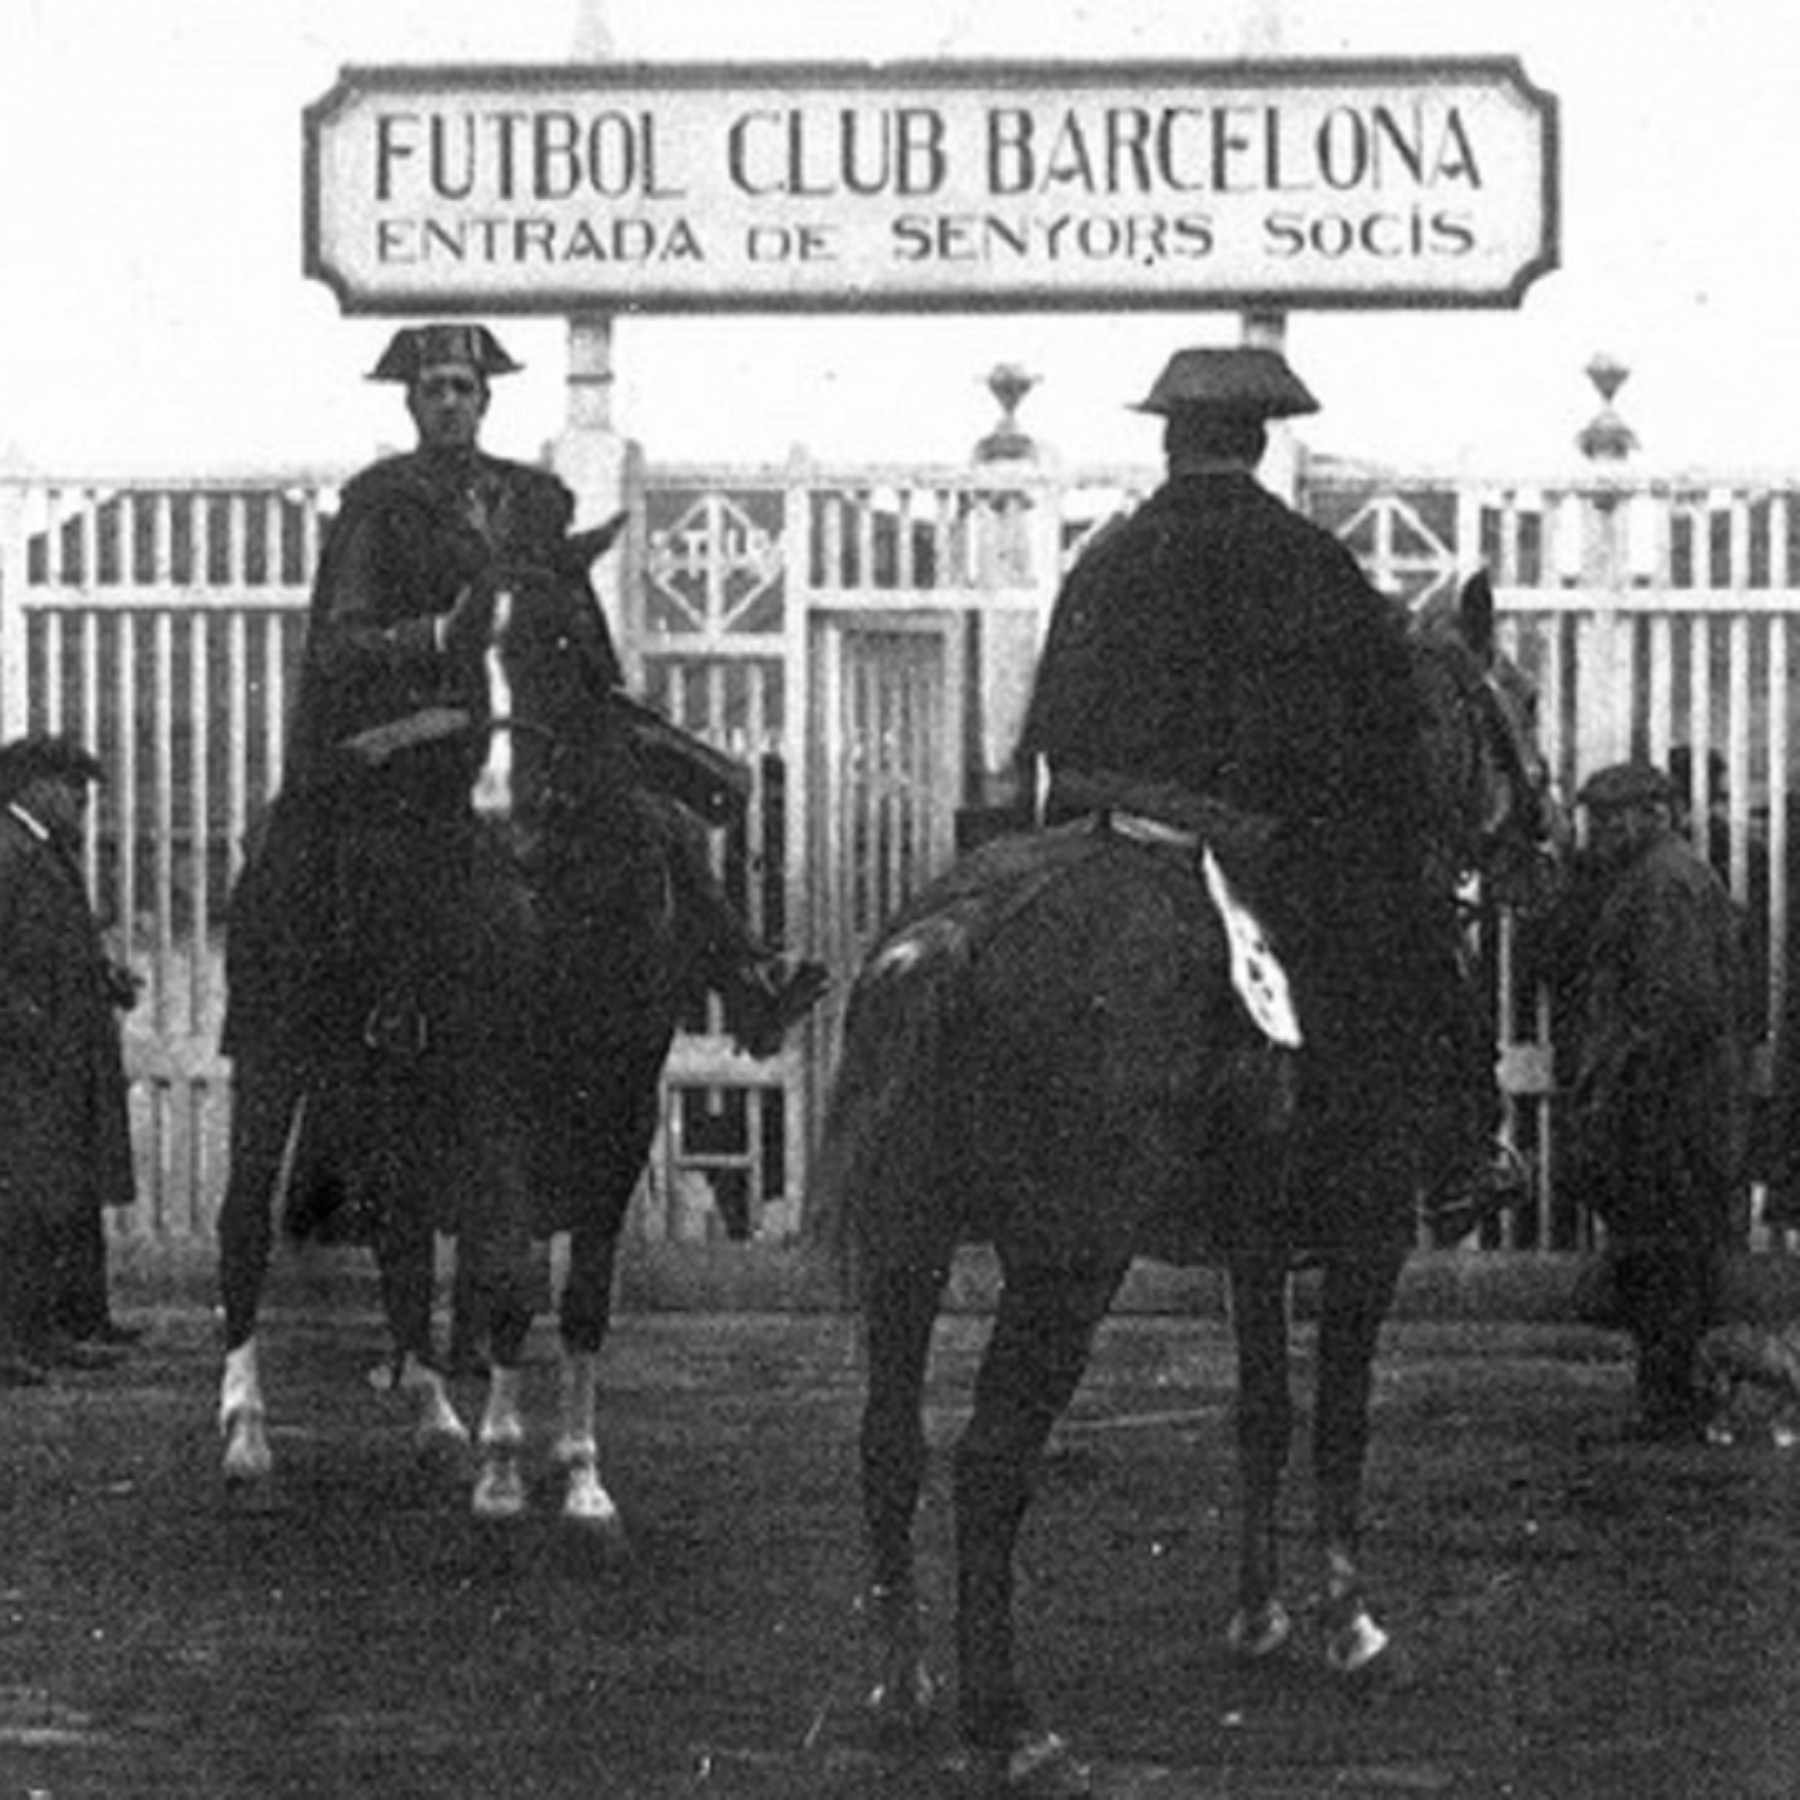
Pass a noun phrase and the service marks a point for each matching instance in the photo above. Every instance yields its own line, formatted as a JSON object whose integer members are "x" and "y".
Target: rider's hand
{"x": 465, "y": 625}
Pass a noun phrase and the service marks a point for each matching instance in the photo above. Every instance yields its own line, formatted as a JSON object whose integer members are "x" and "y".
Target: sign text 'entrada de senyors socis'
{"x": 681, "y": 187}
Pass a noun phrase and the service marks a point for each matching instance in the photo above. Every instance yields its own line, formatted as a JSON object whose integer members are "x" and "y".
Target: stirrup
{"x": 773, "y": 996}
{"x": 396, "y": 1028}
{"x": 1476, "y": 1192}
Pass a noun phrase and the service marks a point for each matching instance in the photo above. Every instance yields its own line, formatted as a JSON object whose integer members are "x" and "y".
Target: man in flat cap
{"x": 65, "y": 1136}
{"x": 1646, "y": 960}
{"x": 1216, "y": 644}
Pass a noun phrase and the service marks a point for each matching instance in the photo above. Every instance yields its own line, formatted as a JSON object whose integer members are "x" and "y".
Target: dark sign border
{"x": 355, "y": 79}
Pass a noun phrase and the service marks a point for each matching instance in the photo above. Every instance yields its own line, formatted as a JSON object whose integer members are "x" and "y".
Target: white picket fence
{"x": 821, "y": 621}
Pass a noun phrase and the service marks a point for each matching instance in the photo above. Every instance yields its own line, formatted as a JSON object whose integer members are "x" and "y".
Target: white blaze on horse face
{"x": 493, "y": 791}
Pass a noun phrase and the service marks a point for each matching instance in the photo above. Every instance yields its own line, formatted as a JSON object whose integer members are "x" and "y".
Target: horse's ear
{"x": 1475, "y": 609}
{"x": 585, "y": 548}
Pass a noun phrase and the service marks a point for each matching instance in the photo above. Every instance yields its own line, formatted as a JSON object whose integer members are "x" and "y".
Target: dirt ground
{"x": 1572, "y": 1615}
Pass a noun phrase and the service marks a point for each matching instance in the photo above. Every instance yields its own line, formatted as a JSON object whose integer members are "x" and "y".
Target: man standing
{"x": 1216, "y": 646}
{"x": 1648, "y": 947}
{"x": 65, "y": 1136}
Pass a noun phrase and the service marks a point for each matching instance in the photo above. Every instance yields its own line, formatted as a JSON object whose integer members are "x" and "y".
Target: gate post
{"x": 15, "y": 574}
{"x": 1606, "y": 441}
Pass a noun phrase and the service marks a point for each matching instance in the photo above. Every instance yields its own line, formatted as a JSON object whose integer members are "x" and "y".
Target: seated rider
{"x": 411, "y": 534}
{"x": 1217, "y": 644}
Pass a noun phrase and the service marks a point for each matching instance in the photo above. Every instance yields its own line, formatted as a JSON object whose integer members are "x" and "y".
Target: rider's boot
{"x": 765, "y": 994}
{"x": 1471, "y": 1173}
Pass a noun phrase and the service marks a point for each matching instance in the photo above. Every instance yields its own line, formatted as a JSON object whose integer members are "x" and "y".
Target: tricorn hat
{"x": 417, "y": 347}
{"x": 43, "y": 757}
{"x": 1626, "y": 784}
{"x": 1252, "y": 383}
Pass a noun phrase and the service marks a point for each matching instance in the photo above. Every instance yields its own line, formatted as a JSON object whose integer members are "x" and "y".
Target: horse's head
{"x": 531, "y": 654}
{"x": 1493, "y": 815}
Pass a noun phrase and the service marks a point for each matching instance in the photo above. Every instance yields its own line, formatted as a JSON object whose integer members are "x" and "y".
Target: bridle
{"x": 1476, "y": 835}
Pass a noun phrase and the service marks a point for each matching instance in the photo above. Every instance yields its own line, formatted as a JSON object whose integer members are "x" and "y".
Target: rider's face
{"x": 447, "y": 402}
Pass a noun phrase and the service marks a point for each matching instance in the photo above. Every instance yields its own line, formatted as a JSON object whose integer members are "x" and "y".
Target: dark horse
{"x": 1045, "y": 1052}
{"x": 497, "y": 1071}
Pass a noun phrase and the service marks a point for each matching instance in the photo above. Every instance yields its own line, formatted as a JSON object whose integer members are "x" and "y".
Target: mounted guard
{"x": 339, "y": 992}
{"x": 1218, "y": 667}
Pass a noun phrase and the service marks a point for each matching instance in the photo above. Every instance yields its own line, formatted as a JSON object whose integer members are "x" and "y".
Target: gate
{"x": 864, "y": 639}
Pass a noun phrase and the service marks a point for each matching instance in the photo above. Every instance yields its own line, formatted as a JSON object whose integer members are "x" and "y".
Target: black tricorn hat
{"x": 44, "y": 757}
{"x": 1248, "y": 382}
{"x": 1626, "y": 784}
{"x": 417, "y": 347}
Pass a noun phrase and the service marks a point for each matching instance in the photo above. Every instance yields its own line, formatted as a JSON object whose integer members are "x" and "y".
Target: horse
{"x": 504, "y": 1080}
{"x": 1045, "y": 1052}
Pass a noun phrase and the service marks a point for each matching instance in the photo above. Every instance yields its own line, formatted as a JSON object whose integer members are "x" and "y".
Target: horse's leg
{"x": 584, "y": 1313}
{"x": 1259, "y": 1320}
{"x": 262, "y": 1103}
{"x": 899, "y": 1309}
{"x": 1358, "y": 1293}
{"x": 1042, "y": 1336}
{"x": 507, "y": 1278}
{"x": 404, "y": 1247}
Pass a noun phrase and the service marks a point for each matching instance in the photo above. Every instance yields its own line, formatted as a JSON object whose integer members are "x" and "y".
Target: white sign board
{"x": 774, "y": 187}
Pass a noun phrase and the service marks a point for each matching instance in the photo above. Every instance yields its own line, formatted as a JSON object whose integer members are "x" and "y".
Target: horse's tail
{"x": 881, "y": 1188}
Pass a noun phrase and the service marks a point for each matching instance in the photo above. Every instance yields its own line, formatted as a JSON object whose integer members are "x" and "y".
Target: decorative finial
{"x": 1606, "y": 437}
{"x": 1009, "y": 384}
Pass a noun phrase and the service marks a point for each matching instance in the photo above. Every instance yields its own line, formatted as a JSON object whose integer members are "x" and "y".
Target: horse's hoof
{"x": 1036, "y": 1766}
{"x": 1254, "y": 1635}
{"x": 1356, "y": 1647}
{"x": 900, "y": 1702}
{"x": 500, "y": 1491}
{"x": 438, "y": 1450}
{"x": 586, "y": 1503}
{"x": 248, "y": 1458}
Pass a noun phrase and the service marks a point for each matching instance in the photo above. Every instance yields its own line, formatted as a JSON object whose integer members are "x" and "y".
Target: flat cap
{"x": 1250, "y": 382}
{"x": 417, "y": 347}
{"x": 1626, "y": 784}
{"x": 45, "y": 757}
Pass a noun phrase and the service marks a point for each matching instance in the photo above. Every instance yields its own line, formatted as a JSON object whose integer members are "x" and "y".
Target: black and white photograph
{"x": 899, "y": 903}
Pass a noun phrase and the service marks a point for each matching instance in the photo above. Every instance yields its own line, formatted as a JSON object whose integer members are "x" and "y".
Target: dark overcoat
{"x": 1217, "y": 640}
{"x": 410, "y": 534}
{"x": 65, "y": 1133}
{"x": 1652, "y": 955}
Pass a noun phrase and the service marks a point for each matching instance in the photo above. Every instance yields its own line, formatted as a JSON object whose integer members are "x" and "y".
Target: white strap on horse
{"x": 1256, "y": 972}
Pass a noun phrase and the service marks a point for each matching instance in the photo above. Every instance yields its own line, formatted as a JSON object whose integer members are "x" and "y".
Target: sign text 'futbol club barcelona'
{"x": 950, "y": 186}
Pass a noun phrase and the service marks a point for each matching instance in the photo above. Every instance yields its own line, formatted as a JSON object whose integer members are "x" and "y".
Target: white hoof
{"x": 500, "y": 1488}
{"x": 248, "y": 1458}
{"x": 1351, "y": 1649}
{"x": 901, "y": 1698}
{"x": 437, "y": 1428}
{"x": 1253, "y": 1636}
{"x": 587, "y": 1503}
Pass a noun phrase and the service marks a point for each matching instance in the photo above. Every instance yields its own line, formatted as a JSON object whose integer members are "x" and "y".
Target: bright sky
{"x": 153, "y": 312}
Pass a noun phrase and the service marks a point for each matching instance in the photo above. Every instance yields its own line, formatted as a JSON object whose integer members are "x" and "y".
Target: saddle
{"x": 1234, "y": 852}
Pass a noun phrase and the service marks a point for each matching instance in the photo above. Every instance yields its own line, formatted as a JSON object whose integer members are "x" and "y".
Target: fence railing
{"x": 160, "y": 621}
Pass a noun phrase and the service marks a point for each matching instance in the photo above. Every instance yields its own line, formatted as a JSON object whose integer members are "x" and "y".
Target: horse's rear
{"x": 1045, "y": 1054}
{"x": 1026, "y": 1056}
